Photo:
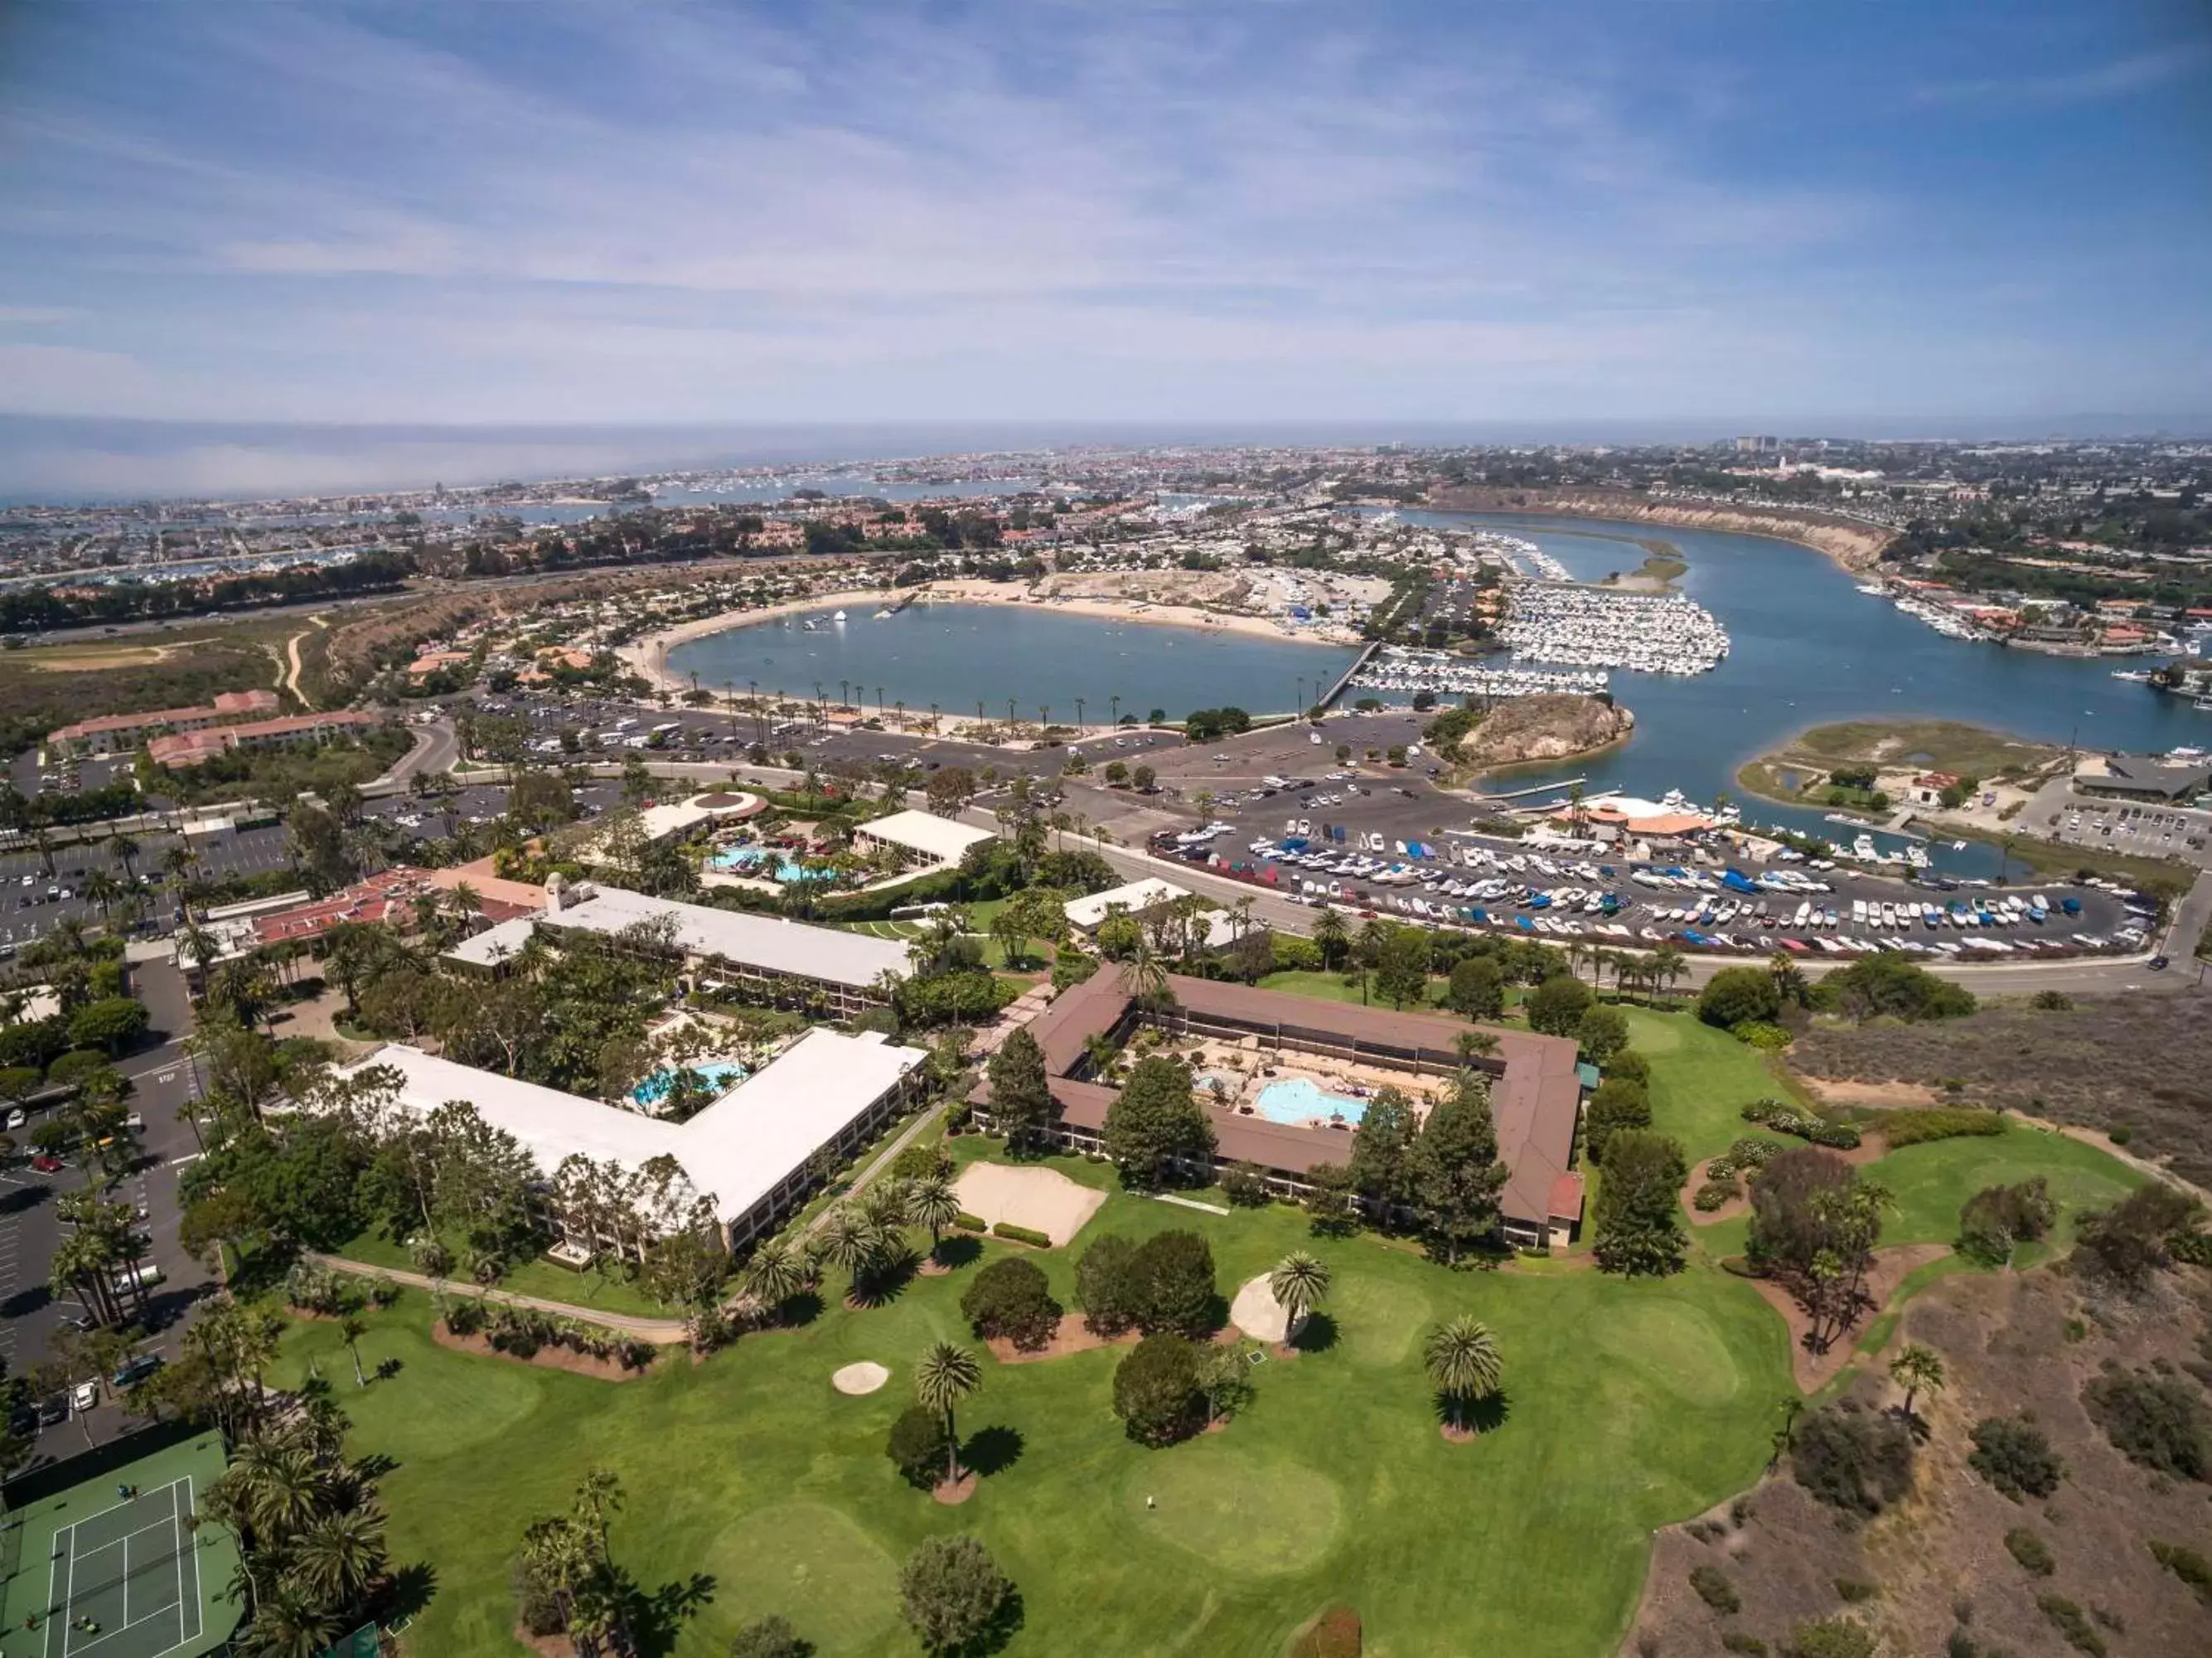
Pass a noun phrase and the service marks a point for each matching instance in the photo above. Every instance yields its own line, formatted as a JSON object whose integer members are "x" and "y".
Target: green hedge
{"x": 1020, "y": 1234}
{"x": 1911, "y": 1128}
{"x": 967, "y": 1222}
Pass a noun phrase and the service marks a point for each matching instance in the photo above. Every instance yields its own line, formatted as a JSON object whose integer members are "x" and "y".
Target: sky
{"x": 1816, "y": 216}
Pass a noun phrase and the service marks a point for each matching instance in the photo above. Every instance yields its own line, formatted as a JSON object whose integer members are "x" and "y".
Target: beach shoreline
{"x": 648, "y": 655}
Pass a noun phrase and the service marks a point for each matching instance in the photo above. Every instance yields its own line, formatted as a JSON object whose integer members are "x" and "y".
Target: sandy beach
{"x": 648, "y": 655}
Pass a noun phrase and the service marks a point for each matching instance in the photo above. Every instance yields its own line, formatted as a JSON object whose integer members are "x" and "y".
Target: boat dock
{"x": 1345, "y": 678}
{"x": 1560, "y": 786}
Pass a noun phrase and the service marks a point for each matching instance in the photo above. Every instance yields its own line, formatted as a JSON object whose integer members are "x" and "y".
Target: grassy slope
{"x": 604, "y": 1292}
{"x": 752, "y": 1469}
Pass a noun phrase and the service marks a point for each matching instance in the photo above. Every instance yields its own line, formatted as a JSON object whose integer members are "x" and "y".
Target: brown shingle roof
{"x": 1535, "y": 1096}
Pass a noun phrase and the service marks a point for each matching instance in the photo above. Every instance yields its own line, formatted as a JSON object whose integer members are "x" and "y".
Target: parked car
{"x": 17, "y": 1118}
{"x": 132, "y": 1371}
{"x": 46, "y": 1163}
{"x": 85, "y": 1397}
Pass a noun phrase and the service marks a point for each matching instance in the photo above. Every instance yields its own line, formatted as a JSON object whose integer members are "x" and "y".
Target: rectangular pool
{"x": 1294, "y": 1100}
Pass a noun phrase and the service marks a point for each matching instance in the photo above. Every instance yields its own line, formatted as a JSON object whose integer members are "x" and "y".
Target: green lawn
{"x": 1701, "y": 1080}
{"x": 607, "y": 1292}
{"x": 1628, "y": 1405}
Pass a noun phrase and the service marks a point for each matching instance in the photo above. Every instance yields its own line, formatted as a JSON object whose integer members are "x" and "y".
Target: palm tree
{"x": 1299, "y": 1284}
{"x": 1328, "y": 933}
{"x": 102, "y": 889}
{"x": 932, "y": 1202}
{"x": 849, "y": 1242}
{"x": 599, "y": 1496}
{"x": 946, "y": 1375}
{"x": 775, "y": 1273}
{"x": 290, "y": 1624}
{"x": 1460, "y": 1356}
{"x": 1146, "y": 973}
{"x": 126, "y": 852}
{"x": 1916, "y": 1368}
{"x": 351, "y": 1329}
{"x": 342, "y": 1557}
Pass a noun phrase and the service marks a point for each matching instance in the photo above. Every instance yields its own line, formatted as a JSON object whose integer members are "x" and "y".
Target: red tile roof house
{"x": 192, "y": 748}
{"x": 1535, "y": 1093}
{"x": 108, "y": 732}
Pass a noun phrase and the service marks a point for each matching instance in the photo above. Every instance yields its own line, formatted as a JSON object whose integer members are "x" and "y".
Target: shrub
{"x": 1630, "y": 1065}
{"x": 464, "y": 1317}
{"x": 2136, "y": 1236}
{"x": 1021, "y": 1234}
{"x": 769, "y": 1637}
{"x": 2158, "y": 1421}
{"x": 1787, "y": 1119}
{"x": 1831, "y": 1638}
{"x": 1997, "y": 1217}
{"x": 922, "y": 1163}
{"x": 952, "y": 1593}
{"x": 919, "y": 1446}
{"x": 1713, "y": 1194}
{"x": 1106, "y": 1286}
{"x": 967, "y": 1222}
{"x": 1334, "y": 1634}
{"x": 2032, "y": 1552}
{"x": 2066, "y": 1618}
{"x": 2014, "y": 1456}
{"x": 1714, "y": 1588}
{"x": 1749, "y": 1152}
{"x": 1890, "y": 984}
{"x": 2051, "y": 1002}
{"x": 1155, "y": 1389}
{"x": 1851, "y": 1458}
{"x": 2191, "y": 1567}
{"x": 1912, "y": 1128}
{"x": 1010, "y": 1298}
{"x": 1245, "y": 1186}
{"x": 1856, "y": 1589}
{"x": 1735, "y": 995}
{"x": 1761, "y": 1033}
{"x": 1750, "y": 1645}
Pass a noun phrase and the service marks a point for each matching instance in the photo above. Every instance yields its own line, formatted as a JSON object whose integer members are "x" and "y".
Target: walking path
{"x": 662, "y": 1331}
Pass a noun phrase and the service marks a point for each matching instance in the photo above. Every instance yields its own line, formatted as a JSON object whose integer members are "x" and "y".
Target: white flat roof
{"x": 494, "y": 944}
{"x": 736, "y": 1151}
{"x": 924, "y": 832}
{"x": 769, "y": 943}
{"x": 1088, "y": 912}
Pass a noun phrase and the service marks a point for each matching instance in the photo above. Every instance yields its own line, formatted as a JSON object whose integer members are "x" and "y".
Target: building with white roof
{"x": 1135, "y": 898}
{"x": 922, "y": 838}
{"x": 793, "y": 962}
{"x": 495, "y": 947}
{"x": 748, "y": 1153}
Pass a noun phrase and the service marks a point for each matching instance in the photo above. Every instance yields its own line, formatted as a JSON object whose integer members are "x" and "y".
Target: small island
{"x": 1873, "y": 765}
{"x": 1527, "y": 730}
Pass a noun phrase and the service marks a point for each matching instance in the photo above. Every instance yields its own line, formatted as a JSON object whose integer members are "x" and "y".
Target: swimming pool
{"x": 719, "y": 1076}
{"x": 745, "y": 858}
{"x": 1294, "y": 1100}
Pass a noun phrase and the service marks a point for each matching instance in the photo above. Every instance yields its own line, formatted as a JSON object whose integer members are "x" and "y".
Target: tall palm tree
{"x": 775, "y": 1273}
{"x": 102, "y": 889}
{"x": 1914, "y": 1368}
{"x": 1460, "y": 1356}
{"x": 1330, "y": 935}
{"x": 931, "y": 1202}
{"x": 288, "y": 1491}
{"x": 946, "y": 1376}
{"x": 1146, "y": 971}
{"x": 351, "y": 1328}
{"x": 341, "y": 1557}
{"x": 290, "y": 1624}
{"x": 1299, "y": 1284}
{"x": 126, "y": 850}
{"x": 850, "y": 1242}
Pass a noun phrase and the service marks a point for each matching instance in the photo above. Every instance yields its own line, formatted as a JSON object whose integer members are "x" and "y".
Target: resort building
{"x": 1535, "y": 1089}
{"x": 787, "y": 962}
{"x": 748, "y": 1153}
{"x": 2147, "y": 779}
{"x": 923, "y": 839}
{"x": 108, "y": 733}
{"x": 1085, "y": 914}
{"x": 189, "y": 748}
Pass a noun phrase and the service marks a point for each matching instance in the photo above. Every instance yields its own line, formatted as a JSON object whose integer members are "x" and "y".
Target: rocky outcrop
{"x": 1554, "y": 726}
{"x": 1855, "y": 545}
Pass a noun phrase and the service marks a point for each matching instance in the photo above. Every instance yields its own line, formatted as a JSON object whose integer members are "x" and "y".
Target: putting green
{"x": 1241, "y": 1511}
{"x": 815, "y": 1567}
{"x": 1655, "y": 1034}
{"x": 1673, "y": 1342}
{"x": 1377, "y": 1319}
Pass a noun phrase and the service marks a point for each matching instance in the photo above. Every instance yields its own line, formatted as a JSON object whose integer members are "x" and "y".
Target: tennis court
{"x": 114, "y": 1568}
{"x": 126, "y": 1582}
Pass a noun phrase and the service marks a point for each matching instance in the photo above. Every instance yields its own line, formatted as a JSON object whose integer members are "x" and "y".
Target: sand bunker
{"x": 1257, "y": 1312}
{"x": 862, "y": 1378}
{"x": 1040, "y": 1199}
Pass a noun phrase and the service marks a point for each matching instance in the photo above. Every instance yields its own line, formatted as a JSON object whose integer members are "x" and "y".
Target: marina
{"x": 1589, "y": 628}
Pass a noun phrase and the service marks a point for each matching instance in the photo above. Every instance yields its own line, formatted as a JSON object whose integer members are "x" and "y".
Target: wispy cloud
{"x": 878, "y": 210}
{"x": 2119, "y": 77}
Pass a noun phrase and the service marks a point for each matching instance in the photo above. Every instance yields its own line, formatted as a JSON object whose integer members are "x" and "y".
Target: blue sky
{"x": 1858, "y": 214}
